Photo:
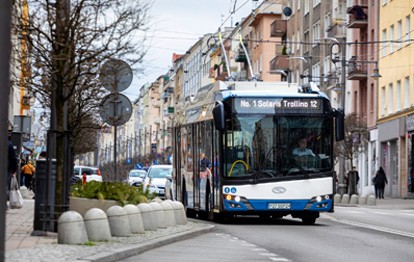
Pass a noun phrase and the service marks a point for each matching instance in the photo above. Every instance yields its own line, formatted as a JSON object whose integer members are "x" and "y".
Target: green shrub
{"x": 121, "y": 192}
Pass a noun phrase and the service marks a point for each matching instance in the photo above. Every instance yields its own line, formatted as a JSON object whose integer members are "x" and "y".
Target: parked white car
{"x": 156, "y": 179}
{"x": 136, "y": 177}
{"x": 92, "y": 173}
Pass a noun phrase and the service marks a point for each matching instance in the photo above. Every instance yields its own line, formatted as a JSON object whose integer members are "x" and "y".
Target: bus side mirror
{"x": 339, "y": 124}
{"x": 218, "y": 116}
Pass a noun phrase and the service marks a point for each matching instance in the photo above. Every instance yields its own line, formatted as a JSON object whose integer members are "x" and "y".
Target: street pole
{"x": 5, "y": 24}
{"x": 341, "y": 185}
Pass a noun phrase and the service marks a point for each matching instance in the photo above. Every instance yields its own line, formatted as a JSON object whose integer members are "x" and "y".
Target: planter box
{"x": 82, "y": 205}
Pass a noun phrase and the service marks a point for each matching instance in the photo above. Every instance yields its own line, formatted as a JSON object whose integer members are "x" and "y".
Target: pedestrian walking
{"x": 11, "y": 165}
{"x": 379, "y": 180}
{"x": 28, "y": 171}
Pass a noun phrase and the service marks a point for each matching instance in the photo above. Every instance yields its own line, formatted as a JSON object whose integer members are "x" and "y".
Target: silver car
{"x": 136, "y": 177}
{"x": 156, "y": 179}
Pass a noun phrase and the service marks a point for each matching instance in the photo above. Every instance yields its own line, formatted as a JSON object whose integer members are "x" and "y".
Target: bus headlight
{"x": 318, "y": 198}
{"x": 237, "y": 199}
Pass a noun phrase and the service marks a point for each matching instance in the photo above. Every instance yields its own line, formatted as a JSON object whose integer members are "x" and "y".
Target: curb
{"x": 133, "y": 250}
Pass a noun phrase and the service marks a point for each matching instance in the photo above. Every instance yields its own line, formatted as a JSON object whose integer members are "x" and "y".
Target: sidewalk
{"x": 387, "y": 203}
{"x": 393, "y": 203}
{"x": 19, "y": 226}
{"x": 21, "y": 246}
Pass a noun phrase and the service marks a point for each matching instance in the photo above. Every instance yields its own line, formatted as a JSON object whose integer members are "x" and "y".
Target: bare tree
{"x": 356, "y": 138}
{"x": 68, "y": 41}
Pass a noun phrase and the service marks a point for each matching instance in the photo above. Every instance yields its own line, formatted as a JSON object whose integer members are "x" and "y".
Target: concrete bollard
{"x": 135, "y": 219}
{"x": 159, "y": 214}
{"x": 362, "y": 200}
{"x": 118, "y": 221}
{"x": 169, "y": 213}
{"x": 337, "y": 198}
{"x": 354, "y": 199}
{"x": 71, "y": 229}
{"x": 179, "y": 213}
{"x": 371, "y": 201}
{"x": 157, "y": 199}
{"x": 147, "y": 216}
{"x": 345, "y": 199}
{"x": 97, "y": 225}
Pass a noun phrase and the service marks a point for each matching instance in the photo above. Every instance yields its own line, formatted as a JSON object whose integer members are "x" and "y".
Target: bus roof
{"x": 199, "y": 107}
{"x": 231, "y": 89}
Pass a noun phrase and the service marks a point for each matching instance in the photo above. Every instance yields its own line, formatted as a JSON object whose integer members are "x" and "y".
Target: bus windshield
{"x": 265, "y": 146}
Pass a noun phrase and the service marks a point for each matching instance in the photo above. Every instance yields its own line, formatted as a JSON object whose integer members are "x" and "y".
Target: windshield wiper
{"x": 257, "y": 173}
{"x": 299, "y": 166}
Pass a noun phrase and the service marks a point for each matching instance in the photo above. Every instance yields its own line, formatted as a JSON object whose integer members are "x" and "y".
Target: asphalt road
{"x": 349, "y": 234}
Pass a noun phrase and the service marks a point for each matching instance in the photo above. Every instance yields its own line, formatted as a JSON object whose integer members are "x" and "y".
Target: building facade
{"x": 395, "y": 96}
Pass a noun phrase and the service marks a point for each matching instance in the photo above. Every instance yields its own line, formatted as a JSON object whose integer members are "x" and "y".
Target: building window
{"x": 384, "y": 44}
{"x": 316, "y": 69}
{"x": 306, "y": 7}
{"x": 316, "y": 2}
{"x": 407, "y": 92}
{"x": 407, "y": 29}
{"x": 399, "y": 34}
{"x": 316, "y": 32}
{"x": 298, "y": 43}
{"x": 326, "y": 66}
{"x": 391, "y": 39}
{"x": 326, "y": 24}
{"x": 371, "y": 99}
{"x": 390, "y": 98}
{"x": 383, "y": 104}
{"x": 306, "y": 39}
{"x": 398, "y": 100}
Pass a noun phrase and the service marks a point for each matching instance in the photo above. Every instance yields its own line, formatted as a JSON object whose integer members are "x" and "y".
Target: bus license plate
{"x": 278, "y": 206}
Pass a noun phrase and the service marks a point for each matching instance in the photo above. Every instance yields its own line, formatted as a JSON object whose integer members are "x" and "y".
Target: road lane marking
{"x": 261, "y": 251}
{"x": 377, "y": 228}
{"x": 278, "y": 259}
{"x": 382, "y": 213}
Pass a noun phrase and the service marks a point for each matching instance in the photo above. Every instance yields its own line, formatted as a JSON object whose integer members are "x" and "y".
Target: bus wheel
{"x": 308, "y": 220}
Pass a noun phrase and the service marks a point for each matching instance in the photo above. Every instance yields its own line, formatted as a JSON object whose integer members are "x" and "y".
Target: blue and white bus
{"x": 239, "y": 151}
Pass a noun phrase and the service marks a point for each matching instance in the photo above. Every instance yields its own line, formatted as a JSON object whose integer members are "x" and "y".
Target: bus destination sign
{"x": 269, "y": 105}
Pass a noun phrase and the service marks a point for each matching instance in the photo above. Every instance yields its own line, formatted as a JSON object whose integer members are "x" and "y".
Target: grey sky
{"x": 177, "y": 24}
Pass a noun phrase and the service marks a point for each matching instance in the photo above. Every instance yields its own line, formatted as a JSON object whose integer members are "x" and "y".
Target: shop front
{"x": 410, "y": 156}
{"x": 391, "y": 138}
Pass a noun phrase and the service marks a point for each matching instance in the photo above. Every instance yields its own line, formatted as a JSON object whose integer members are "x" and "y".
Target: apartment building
{"x": 396, "y": 96}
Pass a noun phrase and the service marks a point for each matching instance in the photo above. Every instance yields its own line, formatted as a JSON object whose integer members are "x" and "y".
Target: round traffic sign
{"x": 115, "y": 75}
{"x": 115, "y": 109}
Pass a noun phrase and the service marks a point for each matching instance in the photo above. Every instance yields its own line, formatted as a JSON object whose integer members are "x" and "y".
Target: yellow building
{"x": 396, "y": 96}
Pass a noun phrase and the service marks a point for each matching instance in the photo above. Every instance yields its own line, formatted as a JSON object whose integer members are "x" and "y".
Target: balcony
{"x": 358, "y": 17}
{"x": 357, "y": 71}
{"x": 280, "y": 62}
{"x": 278, "y": 28}
{"x": 337, "y": 29}
{"x": 331, "y": 79}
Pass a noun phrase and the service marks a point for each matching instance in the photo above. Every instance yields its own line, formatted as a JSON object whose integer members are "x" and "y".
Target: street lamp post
{"x": 342, "y": 47}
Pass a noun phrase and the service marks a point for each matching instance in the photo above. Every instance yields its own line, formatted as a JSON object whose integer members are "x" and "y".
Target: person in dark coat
{"x": 379, "y": 181}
